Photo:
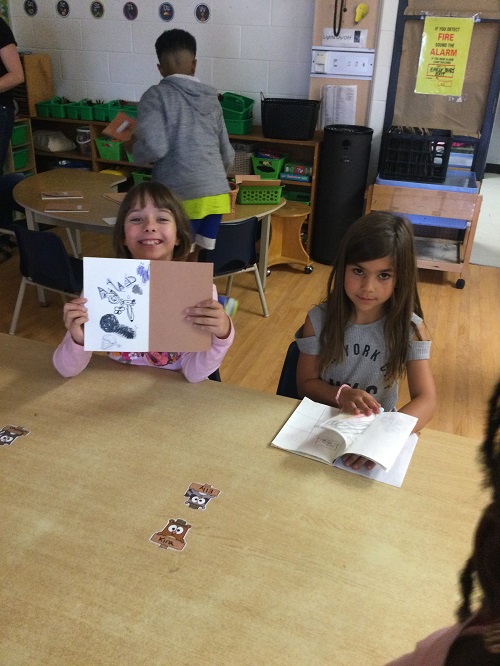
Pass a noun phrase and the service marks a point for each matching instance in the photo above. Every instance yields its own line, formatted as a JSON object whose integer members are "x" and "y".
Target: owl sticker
{"x": 172, "y": 535}
{"x": 9, "y": 434}
{"x": 198, "y": 495}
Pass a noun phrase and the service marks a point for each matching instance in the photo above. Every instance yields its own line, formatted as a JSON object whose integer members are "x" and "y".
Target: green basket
{"x": 110, "y": 150}
{"x": 82, "y": 110}
{"x": 301, "y": 197}
{"x": 106, "y": 112}
{"x": 20, "y": 158}
{"x": 239, "y": 126}
{"x": 43, "y": 109}
{"x": 140, "y": 176}
{"x": 254, "y": 194}
{"x": 268, "y": 168}
{"x": 57, "y": 107}
{"x": 19, "y": 134}
{"x": 236, "y": 107}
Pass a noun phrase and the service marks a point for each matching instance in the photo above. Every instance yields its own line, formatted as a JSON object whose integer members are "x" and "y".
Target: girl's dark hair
{"x": 374, "y": 236}
{"x": 163, "y": 198}
{"x": 484, "y": 562}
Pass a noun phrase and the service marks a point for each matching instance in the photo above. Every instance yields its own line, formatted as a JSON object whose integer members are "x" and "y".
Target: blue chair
{"x": 287, "y": 384}
{"x": 235, "y": 253}
{"x": 44, "y": 262}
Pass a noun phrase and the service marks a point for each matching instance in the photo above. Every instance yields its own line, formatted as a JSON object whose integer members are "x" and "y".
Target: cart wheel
{"x": 460, "y": 284}
{"x": 268, "y": 272}
{"x": 308, "y": 270}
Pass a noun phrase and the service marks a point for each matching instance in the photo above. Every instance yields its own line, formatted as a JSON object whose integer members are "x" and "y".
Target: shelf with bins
{"x": 95, "y": 161}
{"x": 20, "y": 154}
{"x": 297, "y": 151}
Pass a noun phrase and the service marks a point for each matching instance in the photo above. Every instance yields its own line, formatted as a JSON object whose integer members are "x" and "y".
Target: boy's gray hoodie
{"x": 181, "y": 131}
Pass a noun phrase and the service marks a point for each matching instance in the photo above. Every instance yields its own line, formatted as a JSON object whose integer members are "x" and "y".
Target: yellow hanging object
{"x": 361, "y": 12}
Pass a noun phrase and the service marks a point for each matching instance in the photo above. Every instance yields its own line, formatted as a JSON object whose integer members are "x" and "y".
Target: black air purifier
{"x": 345, "y": 155}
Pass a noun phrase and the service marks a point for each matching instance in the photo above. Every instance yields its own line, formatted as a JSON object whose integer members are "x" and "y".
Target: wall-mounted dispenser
{"x": 332, "y": 62}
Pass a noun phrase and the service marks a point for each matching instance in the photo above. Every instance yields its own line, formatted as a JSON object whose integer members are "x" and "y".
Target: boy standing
{"x": 181, "y": 131}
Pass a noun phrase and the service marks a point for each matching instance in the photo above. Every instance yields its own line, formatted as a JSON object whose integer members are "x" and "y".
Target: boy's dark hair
{"x": 173, "y": 41}
{"x": 163, "y": 198}
{"x": 485, "y": 559}
{"x": 374, "y": 236}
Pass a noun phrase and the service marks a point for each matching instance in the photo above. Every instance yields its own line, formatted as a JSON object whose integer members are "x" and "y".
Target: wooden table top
{"x": 92, "y": 184}
{"x": 294, "y": 562}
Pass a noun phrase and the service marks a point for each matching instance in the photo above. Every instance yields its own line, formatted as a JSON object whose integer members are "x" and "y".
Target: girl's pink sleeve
{"x": 69, "y": 358}
{"x": 197, "y": 366}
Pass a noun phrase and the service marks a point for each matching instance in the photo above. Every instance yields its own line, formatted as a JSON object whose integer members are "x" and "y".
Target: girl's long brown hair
{"x": 163, "y": 198}
{"x": 374, "y": 236}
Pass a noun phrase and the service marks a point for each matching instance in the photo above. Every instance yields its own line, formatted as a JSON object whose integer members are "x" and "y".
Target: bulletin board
{"x": 470, "y": 115}
{"x": 462, "y": 115}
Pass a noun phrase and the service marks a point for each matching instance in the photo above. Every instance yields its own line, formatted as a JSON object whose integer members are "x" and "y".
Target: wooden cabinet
{"x": 452, "y": 211}
{"x": 20, "y": 155}
{"x": 297, "y": 151}
{"x": 38, "y": 83}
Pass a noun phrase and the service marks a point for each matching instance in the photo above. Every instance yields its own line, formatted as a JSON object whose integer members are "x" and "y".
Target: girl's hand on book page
{"x": 356, "y": 401}
{"x": 210, "y": 316}
{"x": 75, "y": 314}
{"x": 356, "y": 462}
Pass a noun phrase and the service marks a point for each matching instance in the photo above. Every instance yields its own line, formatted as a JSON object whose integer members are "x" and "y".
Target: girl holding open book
{"x": 369, "y": 332}
{"x": 151, "y": 224}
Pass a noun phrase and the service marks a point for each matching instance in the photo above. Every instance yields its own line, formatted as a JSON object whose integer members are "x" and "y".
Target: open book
{"x": 325, "y": 434}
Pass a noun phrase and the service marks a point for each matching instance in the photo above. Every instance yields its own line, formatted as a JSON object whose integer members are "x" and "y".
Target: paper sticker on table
{"x": 199, "y": 495}
{"x": 172, "y": 535}
{"x": 138, "y": 305}
{"x": 9, "y": 434}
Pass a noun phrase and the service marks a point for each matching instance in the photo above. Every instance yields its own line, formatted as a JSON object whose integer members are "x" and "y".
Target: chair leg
{"x": 17, "y": 309}
{"x": 229, "y": 285}
{"x": 261, "y": 291}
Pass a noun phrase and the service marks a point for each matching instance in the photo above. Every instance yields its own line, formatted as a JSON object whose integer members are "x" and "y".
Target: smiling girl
{"x": 369, "y": 332}
{"x": 151, "y": 224}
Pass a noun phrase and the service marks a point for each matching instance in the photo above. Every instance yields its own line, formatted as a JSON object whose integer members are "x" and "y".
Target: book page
{"x": 384, "y": 438}
{"x": 302, "y": 432}
{"x": 395, "y": 476}
{"x": 117, "y": 293}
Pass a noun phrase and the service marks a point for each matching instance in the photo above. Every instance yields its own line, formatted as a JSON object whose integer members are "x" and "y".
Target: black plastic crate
{"x": 287, "y": 118}
{"x": 415, "y": 154}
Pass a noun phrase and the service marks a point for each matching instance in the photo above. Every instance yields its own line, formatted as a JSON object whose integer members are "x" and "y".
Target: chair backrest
{"x": 235, "y": 247}
{"x": 287, "y": 384}
{"x": 44, "y": 260}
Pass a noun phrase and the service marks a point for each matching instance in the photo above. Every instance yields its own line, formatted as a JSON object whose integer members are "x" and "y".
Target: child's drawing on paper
{"x": 118, "y": 303}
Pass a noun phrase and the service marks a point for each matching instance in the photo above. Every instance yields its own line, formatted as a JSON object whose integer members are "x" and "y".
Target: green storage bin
{"x": 110, "y": 150}
{"x": 255, "y": 194}
{"x": 129, "y": 110}
{"x": 239, "y": 126}
{"x": 19, "y": 134}
{"x": 57, "y": 107}
{"x": 301, "y": 197}
{"x": 267, "y": 167}
{"x": 141, "y": 176}
{"x": 43, "y": 109}
{"x": 73, "y": 110}
{"x": 106, "y": 112}
{"x": 236, "y": 107}
{"x": 20, "y": 158}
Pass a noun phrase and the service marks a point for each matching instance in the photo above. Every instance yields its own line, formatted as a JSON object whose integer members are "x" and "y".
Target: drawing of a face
{"x": 150, "y": 233}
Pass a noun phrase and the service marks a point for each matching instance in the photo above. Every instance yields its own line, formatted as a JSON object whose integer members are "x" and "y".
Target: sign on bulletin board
{"x": 443, "y": 55}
